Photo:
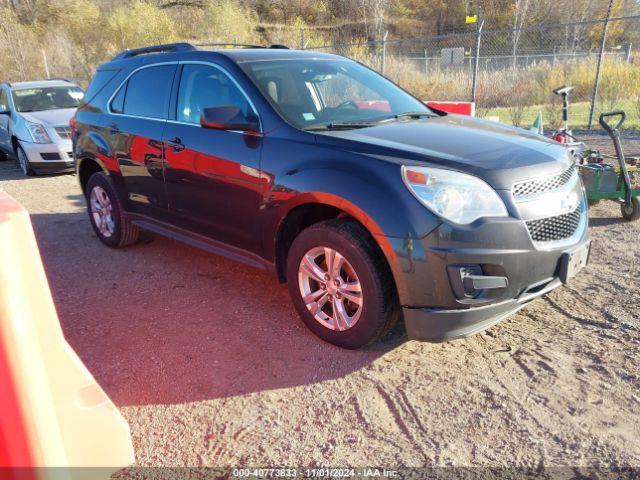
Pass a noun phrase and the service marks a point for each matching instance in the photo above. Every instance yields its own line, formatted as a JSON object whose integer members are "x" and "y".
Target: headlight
{"x": 38, "y": 133}
{"x": 454, "y": 196}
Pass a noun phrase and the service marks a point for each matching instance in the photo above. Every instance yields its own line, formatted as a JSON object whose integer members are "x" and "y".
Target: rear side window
{"x": 147, "y": 92}
{"x": 100, "y": 79}
{"x": 117, "y": 104}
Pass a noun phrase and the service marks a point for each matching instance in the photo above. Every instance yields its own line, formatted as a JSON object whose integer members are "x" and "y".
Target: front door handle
{"x": 176, "y": 144}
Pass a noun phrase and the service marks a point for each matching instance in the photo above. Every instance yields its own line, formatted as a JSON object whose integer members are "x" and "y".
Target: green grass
{"x": 578, "y": 115}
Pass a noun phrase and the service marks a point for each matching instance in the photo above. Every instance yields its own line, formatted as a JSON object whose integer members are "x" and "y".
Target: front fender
{"x": 18, "y": 129}
{"x": 377, "y": 199}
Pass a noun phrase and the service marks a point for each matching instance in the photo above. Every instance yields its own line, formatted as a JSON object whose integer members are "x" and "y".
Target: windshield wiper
{"x": 341, "y": 126}
{"x": 361, "y": 124}
{"x": 415, "y": 115}
{"x": 347, "y": 125}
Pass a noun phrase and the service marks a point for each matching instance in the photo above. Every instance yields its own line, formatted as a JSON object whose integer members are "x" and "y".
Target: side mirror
{"x": 227, "y": 117}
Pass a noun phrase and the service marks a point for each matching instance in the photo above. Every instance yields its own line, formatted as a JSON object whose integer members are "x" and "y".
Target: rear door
{"x": 213, "y": 177}
{"x": 139, "y": 111}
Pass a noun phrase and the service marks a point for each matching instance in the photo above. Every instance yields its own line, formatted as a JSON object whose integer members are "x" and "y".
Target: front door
{"x": 139, "y": 116}
{"x": 5, "y": 138}
{"x": 213, "y": 177}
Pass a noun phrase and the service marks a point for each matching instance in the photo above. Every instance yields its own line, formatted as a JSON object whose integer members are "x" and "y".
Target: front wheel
{"x": 340, "y": 285}
{"x": 631, "y": 212}
{"x": 23, "y": 162}
{"x": 107, "y": 217}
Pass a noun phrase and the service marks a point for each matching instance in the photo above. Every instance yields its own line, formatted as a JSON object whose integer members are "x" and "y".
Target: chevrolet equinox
{"x": 372, "y": 207}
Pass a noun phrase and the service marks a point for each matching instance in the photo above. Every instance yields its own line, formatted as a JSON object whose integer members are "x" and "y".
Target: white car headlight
{"x": 454, "y": 196}
{"x": 38, "y": 133}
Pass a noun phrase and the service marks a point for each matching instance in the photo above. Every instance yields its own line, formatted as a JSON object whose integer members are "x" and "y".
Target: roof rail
{"x": 169, "y": 47}
{"x": 241, "y": 45}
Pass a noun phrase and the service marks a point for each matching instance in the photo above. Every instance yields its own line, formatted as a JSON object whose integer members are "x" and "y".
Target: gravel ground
{"x": 210, "y": 365}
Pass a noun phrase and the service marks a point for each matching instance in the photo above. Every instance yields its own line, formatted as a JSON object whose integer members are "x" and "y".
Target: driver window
{"x": 203, "y": 86}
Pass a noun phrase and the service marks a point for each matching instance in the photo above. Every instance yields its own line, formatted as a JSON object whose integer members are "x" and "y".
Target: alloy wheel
{"x": 102, "y": 211}
{"x": 330, "y": 288}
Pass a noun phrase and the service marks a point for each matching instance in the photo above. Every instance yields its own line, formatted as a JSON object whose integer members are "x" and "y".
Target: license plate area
{"x": 574, "y": 261}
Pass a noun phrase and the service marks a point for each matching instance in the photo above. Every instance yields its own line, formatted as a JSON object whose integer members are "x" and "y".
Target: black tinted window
{"x": 148, "y": 92}
{"x": 203, "y": 86}
{"x": 117, "y": 104}
{"x": 100, "y": 79}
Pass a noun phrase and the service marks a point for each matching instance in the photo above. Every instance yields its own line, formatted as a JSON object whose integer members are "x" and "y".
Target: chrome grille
{"x": 555, "y": 228}
{"x": 545, "y": 184}
{"x": 63, "y": 132}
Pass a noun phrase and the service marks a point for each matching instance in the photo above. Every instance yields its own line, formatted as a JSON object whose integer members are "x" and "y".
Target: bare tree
{"x": 520, "y": 11}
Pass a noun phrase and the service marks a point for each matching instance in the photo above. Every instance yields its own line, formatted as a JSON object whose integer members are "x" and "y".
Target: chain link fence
{"x": 510, "y": 73}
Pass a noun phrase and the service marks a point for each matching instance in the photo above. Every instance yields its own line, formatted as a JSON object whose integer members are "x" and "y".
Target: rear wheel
{"x": 340, "y": 285}
{"x": 631, "y": 212}
{"x": 23, "y": 162}
{"x": 107, "y": 217}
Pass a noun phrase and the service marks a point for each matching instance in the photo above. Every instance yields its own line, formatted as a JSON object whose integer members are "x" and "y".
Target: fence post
{"x": 426, "y": 62}
{"x": 383, "y": 59}
{"x": 474, "y": 83}
{"x": 596, "y": 84}
{"x": 627, "y": 54}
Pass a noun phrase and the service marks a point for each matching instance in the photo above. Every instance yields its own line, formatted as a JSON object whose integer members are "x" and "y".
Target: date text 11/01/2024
{"x": 314, "y": 473}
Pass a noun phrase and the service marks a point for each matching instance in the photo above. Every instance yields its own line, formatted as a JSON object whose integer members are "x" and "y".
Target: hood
{"x": 499, "y": 154}
{"x": 50, "y": 118}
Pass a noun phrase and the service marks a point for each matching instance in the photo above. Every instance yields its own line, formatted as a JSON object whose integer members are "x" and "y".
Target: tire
{"x": 362, "y": 265}
{"x": 114, "y": 228}
{"x": 631, "y": 213}
{"x": 23, "y": 162}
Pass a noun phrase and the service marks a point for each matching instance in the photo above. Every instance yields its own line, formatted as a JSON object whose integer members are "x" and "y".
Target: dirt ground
{"x": 210, "y": 365}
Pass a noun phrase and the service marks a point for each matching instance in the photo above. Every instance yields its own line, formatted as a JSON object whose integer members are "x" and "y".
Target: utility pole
{"x": 596, "y": 85}
{"x": 384, "y": 52}
{"x": 474, "y": 82}
{"x": 46, "y": 64}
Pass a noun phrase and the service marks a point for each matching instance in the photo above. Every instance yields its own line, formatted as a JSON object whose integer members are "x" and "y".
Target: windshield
{"x": 46, "y": 98}
{"x": 316, "y": 94}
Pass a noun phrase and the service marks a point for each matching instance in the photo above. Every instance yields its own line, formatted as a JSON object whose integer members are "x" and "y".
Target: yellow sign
{"x": 472, "y": 19}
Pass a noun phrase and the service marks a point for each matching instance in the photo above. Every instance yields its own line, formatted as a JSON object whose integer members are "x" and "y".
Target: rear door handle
{"x": 176, "y": 144}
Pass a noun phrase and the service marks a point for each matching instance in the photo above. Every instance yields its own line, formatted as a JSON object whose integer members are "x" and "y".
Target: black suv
{"x": 371, "y": 206}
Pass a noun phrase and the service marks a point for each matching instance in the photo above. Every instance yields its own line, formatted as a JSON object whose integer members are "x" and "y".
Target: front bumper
{"x": 435, "y": 304}
{"x": 439, "y": 325}
{"x": 49, "y": 157}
